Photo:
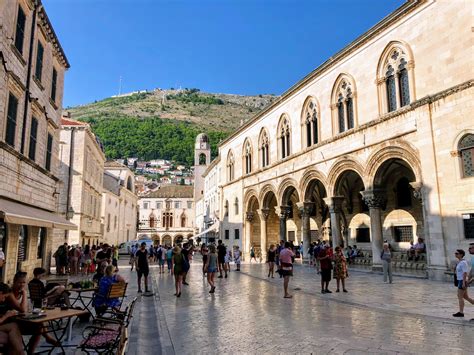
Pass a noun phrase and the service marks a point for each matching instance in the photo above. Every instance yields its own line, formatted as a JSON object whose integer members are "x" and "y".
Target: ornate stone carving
{"x": 334, "y": 203}
{"x": 249, "y": 216}
{"x": 264, "y": 213}
{"x": 455, "y": 153}
{"x": 304, "y": 208}
{"x": 417, "y": 190}
{"x": 376, "y": 198}
{"x": 283, "y": 211}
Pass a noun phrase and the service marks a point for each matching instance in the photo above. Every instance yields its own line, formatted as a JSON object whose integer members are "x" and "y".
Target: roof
{"x": 114, "y": 164}
{"x": 111, "y": 183}
{"x": 71, "y": 122}
{"x": 399, "y": 13}
{"x": 172, "y": 191}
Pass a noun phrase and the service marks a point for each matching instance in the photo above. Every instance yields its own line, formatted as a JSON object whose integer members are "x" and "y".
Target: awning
{"x": 16, "y": 213}
{"x": 213, "y": 228}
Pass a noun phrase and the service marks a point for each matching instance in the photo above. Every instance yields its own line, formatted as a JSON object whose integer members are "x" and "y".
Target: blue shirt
{"x": 101, "y": 296}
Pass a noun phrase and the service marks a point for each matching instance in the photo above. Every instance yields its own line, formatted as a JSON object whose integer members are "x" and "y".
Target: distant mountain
{"x": 164, "y": 123}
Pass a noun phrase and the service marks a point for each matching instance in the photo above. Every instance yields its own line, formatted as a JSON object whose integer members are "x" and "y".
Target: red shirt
{"x": 285, "y": 255}
{"x": 325, "y": 263}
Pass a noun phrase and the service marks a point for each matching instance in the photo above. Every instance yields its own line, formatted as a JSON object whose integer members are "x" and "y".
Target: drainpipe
{"x": 69, "y": 179}
{"x": 28, "y": 77}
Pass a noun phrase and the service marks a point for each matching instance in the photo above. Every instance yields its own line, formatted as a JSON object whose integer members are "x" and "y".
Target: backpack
{"x": 159, "y": 253}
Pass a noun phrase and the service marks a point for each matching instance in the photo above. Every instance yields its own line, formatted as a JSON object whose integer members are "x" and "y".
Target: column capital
{"x": 418, "y": 190}
{"x": 249, "y": 216}
{"x": 305, "y": 208}
{"x": 376, "y": 198}
{"x": 334, "y": 203}
{"x": 283, "y": 211}
{"x": 264, "y": 213}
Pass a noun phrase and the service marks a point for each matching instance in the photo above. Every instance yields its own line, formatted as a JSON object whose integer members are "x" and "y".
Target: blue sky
{"x": 228, "y": 46}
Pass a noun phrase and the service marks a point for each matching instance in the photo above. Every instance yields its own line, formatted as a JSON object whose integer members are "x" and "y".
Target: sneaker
{"x": 337, "y": 290}
{"x": 323, "y": 291}
{"x": 219, "y": 277}
{"x": 459, "y": 314}
{"x": 345, "y": 291}
{"x": 327, "y": 291}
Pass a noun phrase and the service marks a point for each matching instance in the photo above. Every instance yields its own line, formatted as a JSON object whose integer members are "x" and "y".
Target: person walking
{"x": 160, "y": 256}
{"x": 177, "y": 262}
{"x": 228, "y": 259}
{"x": 169, "y": 256}
{"x": 237, "y": 256}
{"x": 271, "y": 254}
{"x": 142, "y": 267}
{"x": 204, "y": 253}
{"x": 221, "y": 252}
{"x": 186, "y": 251}
{"x": 252, "y": 254}
{"x": 286, "y": 257}
{"x": 386, "y": 257}
{"x": 325, "y": 264}
{"x": 133, "y": 251}
{"x": 462, "y": 270}
{"x": 340, "y": 269}
{"x": 211, "y": 267}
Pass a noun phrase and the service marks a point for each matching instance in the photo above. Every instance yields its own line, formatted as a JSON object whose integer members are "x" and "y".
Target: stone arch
{"x": 344, "y": 91}
{"x": 248, "y": 198}
{"x": 178, "y": 238}
{"x": 155, "y": 238}
{"x": 392, "y": 150}
{"x": 265, "y": 195}
{"x": 405, "y": 49}
{"x": 308, "y": 176}
{"x": 166, "y": 240}
{"x": 339, "y": 167}
{"x": 286, "y": 188}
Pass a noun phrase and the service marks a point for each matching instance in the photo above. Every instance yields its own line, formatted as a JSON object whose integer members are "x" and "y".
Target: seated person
{"x": 349, "y": 254}
{"x": 101, "y": 302}
{"x": 100, "y": 272}
{"x": 356, "y": 252}
{"x": 53, "y": 292}
{"x": 18, "y": 300}
{"x": 420, "y": 248}
{"x": 9, "y": 332}
{"x": 411, "y": 251}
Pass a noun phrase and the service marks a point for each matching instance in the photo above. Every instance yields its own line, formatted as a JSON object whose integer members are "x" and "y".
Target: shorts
{"x": 143, "y": 272}
{"x": 221, "y": 259}
{"x": 460, "y": 285}
{"x": 162, "y": 262}
{"x": 326, "y": 275}
{"x": 211, "y": 270}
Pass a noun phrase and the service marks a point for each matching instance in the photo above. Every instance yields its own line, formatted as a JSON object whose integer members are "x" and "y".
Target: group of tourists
{"x": 75, "y": 260}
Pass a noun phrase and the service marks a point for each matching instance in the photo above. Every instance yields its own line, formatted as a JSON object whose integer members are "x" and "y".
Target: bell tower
{"x": 202, "y": 159}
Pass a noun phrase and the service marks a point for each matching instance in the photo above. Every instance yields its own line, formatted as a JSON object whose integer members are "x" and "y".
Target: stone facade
{"x": 119, "y": 204}
{"x": 167, "y": 215}
{"x": 375, "y": 144}
{"x": 32, "y": 68}
{"x": 81, "y": 172}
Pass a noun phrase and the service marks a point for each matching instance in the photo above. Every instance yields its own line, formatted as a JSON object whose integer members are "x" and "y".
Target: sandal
{"x": 288, "y": 296}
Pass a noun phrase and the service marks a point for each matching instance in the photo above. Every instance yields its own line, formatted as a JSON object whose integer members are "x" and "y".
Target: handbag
{"x": 455, "y": 280}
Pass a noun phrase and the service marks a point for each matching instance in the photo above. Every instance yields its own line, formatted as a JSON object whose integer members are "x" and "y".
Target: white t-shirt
{"x": 461, "y": 268}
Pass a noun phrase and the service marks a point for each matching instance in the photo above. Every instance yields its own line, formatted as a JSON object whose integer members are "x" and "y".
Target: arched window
{"x": 284, "y": 133}
{"x": 226, "y": 208}
{"x": 394, "y": 77}
{"x": 264, "y": 144}
{"x": 129, "y": 184}
{"x": 183, "y": 220}
{"x": 202, "y": 159}
{"x": 230, "y": 166}
{"x": 343, "y": 106}
{"x": 466, "y": 152}
{"x": 152, "y": 220}
{"x": 236, "y": 206}
{"x": 247, "y": 153}
{"x": 403, "y": 193}
{"x": 310, "y": 123}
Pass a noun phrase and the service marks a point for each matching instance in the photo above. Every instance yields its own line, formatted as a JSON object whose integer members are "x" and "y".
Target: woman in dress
{"x": 177, "y": 262}
{"x": 211, "y": 267}
{"x": 204, "y": 253}
{"x": 340, "y": 269}
{"x": 237, "y": 255}
{"x": 271, "y": 254}
{"x": 227, "y": 259}
{"x": 252, "y": 254}
{"x": 101, "y": 302}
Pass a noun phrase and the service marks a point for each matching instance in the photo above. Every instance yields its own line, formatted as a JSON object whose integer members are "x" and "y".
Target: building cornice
{"x": 386, "y": 22}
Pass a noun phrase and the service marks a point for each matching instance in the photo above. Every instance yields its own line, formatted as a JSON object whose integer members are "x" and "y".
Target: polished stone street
{"x": 248, "y": 314}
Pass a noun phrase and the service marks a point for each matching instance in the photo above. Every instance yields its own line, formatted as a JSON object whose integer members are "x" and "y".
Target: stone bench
{"x": 399, "y": 261}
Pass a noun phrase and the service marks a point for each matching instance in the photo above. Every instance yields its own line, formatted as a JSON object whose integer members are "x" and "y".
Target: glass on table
{"x": 44, "y": 304}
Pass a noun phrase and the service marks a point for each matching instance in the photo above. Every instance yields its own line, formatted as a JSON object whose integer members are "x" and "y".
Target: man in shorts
{"x": 141, "y": 265}
{"x": 221, "y": 252}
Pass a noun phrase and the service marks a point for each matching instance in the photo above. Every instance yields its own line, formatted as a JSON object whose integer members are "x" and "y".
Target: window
{"x": 54, "y": 82}
{"x": 158, "y": 205}
{"x": 152, "y": 221}
{"x": 466, "y": 151}
{"x": 230, "y": 166}
{"x": 310, "y": 123}
{"x": 33, "y": 134}
{"x": 22, "y": 245}
{"x": 226, "y": 234}
{"x": 3, "y": 240}
{"x": 363, "y": 235}
{"x": 108, "y": 222}
{"x": 177, "y": 204}
{"x": 115, "y": 222}
{"x": 145, "y": 205}
{"x": 39, "y": 61}
{"x": 183, "y": 221}
{"x": 11, "y": 120}
{"x": 49, "y": 150}
{"x": 403, "y": 234}
{"x": 468, "y": 222}
{"x": 264, "y": 152}
{"x": 284, "y": 137}
{"x": 237, "y": 234}
{"x": 190, "y": 204}
{"x": 20, "y": 30}
{"x": 291, "y": 236}
{"x": 202, "y": 159}
{"x": 236, "y": 206}
{"x": 403, "y": 193}
{"x": 41, "y": 242}
{"x": 393, "y": 77}
{"x": 248, "y": 157}
{"x": 167, "y": 220}
{"x": 343, "y": 98}
{"x": 226, "y": 208}
{"x": 129, "y": 184}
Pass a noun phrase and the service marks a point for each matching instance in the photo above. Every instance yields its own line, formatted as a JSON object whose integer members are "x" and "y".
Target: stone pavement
{"x": 248, "y": 315}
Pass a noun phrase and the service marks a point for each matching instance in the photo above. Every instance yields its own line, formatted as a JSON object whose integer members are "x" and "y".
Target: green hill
{"x": 164, "y": 123}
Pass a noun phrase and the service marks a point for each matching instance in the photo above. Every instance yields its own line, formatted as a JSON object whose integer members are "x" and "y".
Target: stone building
{"x": 81, "y": 172}
{"x": 119, "y": 204}
{"x": 32, "y": 68}
{"x": 167, "y": 215}
{"x": 375, "y": 144}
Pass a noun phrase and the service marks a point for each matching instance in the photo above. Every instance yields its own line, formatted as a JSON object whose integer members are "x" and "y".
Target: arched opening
{"x": 291, "y": 229}
{"x": 129, "y": 184}
{"x": 183, "y": 220}
{"x": 343, "y": 104}
{"x": 272, "y": 222}
{"x": 284, "y": 137}
{"x": 152, "y": 221}
{"x": 178, "y": 239}
{"x": 202, "y": 159}
{"x": 318, "y": 210}
{"x": 253, "y": 218}
{"x": 263, "y": 146}
{"x": 166, "y": 240}
{"x": 466, "y": 153}
{"x": 156, "y": 239}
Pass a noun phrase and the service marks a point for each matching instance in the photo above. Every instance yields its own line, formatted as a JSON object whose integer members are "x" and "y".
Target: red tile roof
{"x": 71, "y": 122}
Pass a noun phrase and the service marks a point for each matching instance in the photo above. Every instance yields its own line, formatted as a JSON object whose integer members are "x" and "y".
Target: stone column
{"x": 283, "y": 212}
{"x": 248, "y": 231}
{"x": 263, "y": 213}
{"x": 305, "y": 210}
{"x": 376, "y": 200}
{"x": 335, "y": 209}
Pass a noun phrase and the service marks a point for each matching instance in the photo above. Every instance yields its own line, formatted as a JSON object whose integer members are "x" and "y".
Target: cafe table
{"x": 83, "y": 298}
{"x": 49, "y": 316}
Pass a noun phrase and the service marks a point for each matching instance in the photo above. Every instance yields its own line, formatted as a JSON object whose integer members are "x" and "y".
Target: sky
{"x": 246, "y": 47}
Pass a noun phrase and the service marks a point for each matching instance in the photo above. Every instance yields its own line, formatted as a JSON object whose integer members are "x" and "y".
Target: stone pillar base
{"x": 439, "y": 273}
{"x": 377, "y": 267}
